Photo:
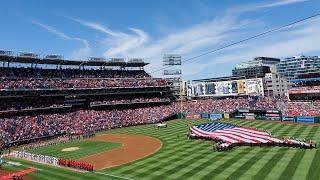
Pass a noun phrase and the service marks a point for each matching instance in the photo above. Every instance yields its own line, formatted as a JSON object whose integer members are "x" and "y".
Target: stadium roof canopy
{"x": 227, "y": 78}
{"x": 31, "y": 58}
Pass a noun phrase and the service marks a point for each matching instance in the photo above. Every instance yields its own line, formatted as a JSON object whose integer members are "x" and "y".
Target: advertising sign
{"x": 204, "y": 115}
{"x": 226, "y": 116}
{"x": 234, "y": 87}
{"x": 254, "y": 86}
{"x": 198, "y": 89}
{"x": 210, "y": 88}
{"x": 243, "y": 110}
{"x": 241, "y": 86}
{"x": 288, "y": 118}
{"x": 196, "y": 116}
{"x": 188, "y": 116}
{"x": 305, "y": 119}
{"x": 222, "y": 88}
{"x": 172, "y": 72}
{"x": 249, "y": 116}
{"x": 214, "y": 116}
{"x": 171, "y": 60}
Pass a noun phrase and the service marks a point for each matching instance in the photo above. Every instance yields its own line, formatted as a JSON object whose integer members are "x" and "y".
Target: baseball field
{"x": 173, "y": 156}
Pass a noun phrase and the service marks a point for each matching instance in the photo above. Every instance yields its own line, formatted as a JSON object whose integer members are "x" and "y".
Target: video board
{"x": 226, "y": 88}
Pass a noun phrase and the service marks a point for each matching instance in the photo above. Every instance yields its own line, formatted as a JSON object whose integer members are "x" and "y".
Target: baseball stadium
{"x": 125, "y": 124}
{"x": 117, "y": 116}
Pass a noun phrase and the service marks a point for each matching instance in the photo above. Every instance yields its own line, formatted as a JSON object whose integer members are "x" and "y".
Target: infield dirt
{"x": 133, "y": 147}
{"x": 4, "y": 173}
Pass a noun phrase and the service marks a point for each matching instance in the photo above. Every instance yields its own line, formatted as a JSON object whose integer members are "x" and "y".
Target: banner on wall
{"x": 202, "y": 89}
{"x": 172, "y": 72}
{"x": 226, "y": 116}
{"x": 189, "y": 116}
{"x": 204, "y": 115}
{"x": 196, "y": 116}
{"x": 199, "y": 90}
{"x": 234, "y": 87}
{"x": 250, "y": 116}
{"x": 215, "y": 116}
{"x": 288, "y": 118}
{"x": 189, "y": 90}
{"x": 210, "y": 88}
{"x": 305, "y": 119}
{"x": 254, "y": 86}
{"x": 241, "y": 86}
{"x": 222, "y": 88}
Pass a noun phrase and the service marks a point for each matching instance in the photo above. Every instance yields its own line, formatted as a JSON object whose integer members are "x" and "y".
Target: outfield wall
{"x": 269, "y": 115}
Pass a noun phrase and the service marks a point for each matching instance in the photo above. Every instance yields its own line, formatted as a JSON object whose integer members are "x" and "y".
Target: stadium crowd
{"x": 14, "y": 72}
{"x": 215, "y": 105}
{"x": 78, "y": 122}
{"x": 228, "y": 105}
{"x": 46, "y": 83}
{"x": 302, "y": 108}
{"x": 14, "y": 106}
{"x": 128, "y": 101}
{"x": 266, "y": 103}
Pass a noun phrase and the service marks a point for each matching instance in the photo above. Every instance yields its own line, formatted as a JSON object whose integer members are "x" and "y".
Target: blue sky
{"x": 150, "y": 28}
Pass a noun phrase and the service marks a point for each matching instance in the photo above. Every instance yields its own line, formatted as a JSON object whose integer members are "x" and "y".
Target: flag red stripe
{"x": 256, "y": 139}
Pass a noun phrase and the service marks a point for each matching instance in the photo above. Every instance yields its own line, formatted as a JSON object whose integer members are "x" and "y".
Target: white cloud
{"x": 282, "y": 3}
{"x": 97, "y": 27}
{"x": 51, "y": 29}
{"x": 122, "y": 45}
{"x": 264, "y": 5}
{"x": 81, "y": 53}
{"x": 119, "y": 43}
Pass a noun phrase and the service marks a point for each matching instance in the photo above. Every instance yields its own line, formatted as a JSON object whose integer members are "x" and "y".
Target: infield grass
{"x": 180, "y": 158}
{"x": 86, "y": 148}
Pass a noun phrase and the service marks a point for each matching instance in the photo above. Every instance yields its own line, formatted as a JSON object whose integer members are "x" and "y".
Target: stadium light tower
{"x": 172, "y": 68}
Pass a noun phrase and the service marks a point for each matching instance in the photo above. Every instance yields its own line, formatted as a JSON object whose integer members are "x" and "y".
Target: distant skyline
{"x": 149, "y": 29}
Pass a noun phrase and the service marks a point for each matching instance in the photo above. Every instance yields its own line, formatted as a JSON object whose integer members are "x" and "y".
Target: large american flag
{"x": 230, "y": 133}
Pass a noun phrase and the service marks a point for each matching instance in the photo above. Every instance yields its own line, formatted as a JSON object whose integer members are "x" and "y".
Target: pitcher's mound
{"x": 70, "y": 149}
{"x": 133, "y": 147}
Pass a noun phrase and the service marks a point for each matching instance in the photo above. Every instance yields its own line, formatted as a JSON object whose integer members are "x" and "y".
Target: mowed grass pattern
{"x": 86, "y": 148}
{"x": 181, "y": 158}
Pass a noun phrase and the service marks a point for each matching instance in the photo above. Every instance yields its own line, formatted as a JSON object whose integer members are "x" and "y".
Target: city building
{"x": 252, "y": 72}
{"x": 275, "y": 85}
{"x": 293, "y": 67}
{"x": 259, "y": 61}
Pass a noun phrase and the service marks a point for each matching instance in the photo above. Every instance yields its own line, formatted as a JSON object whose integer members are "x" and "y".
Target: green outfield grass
{"x": 86, "y": 148}
{"x": 180, "y": 158}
